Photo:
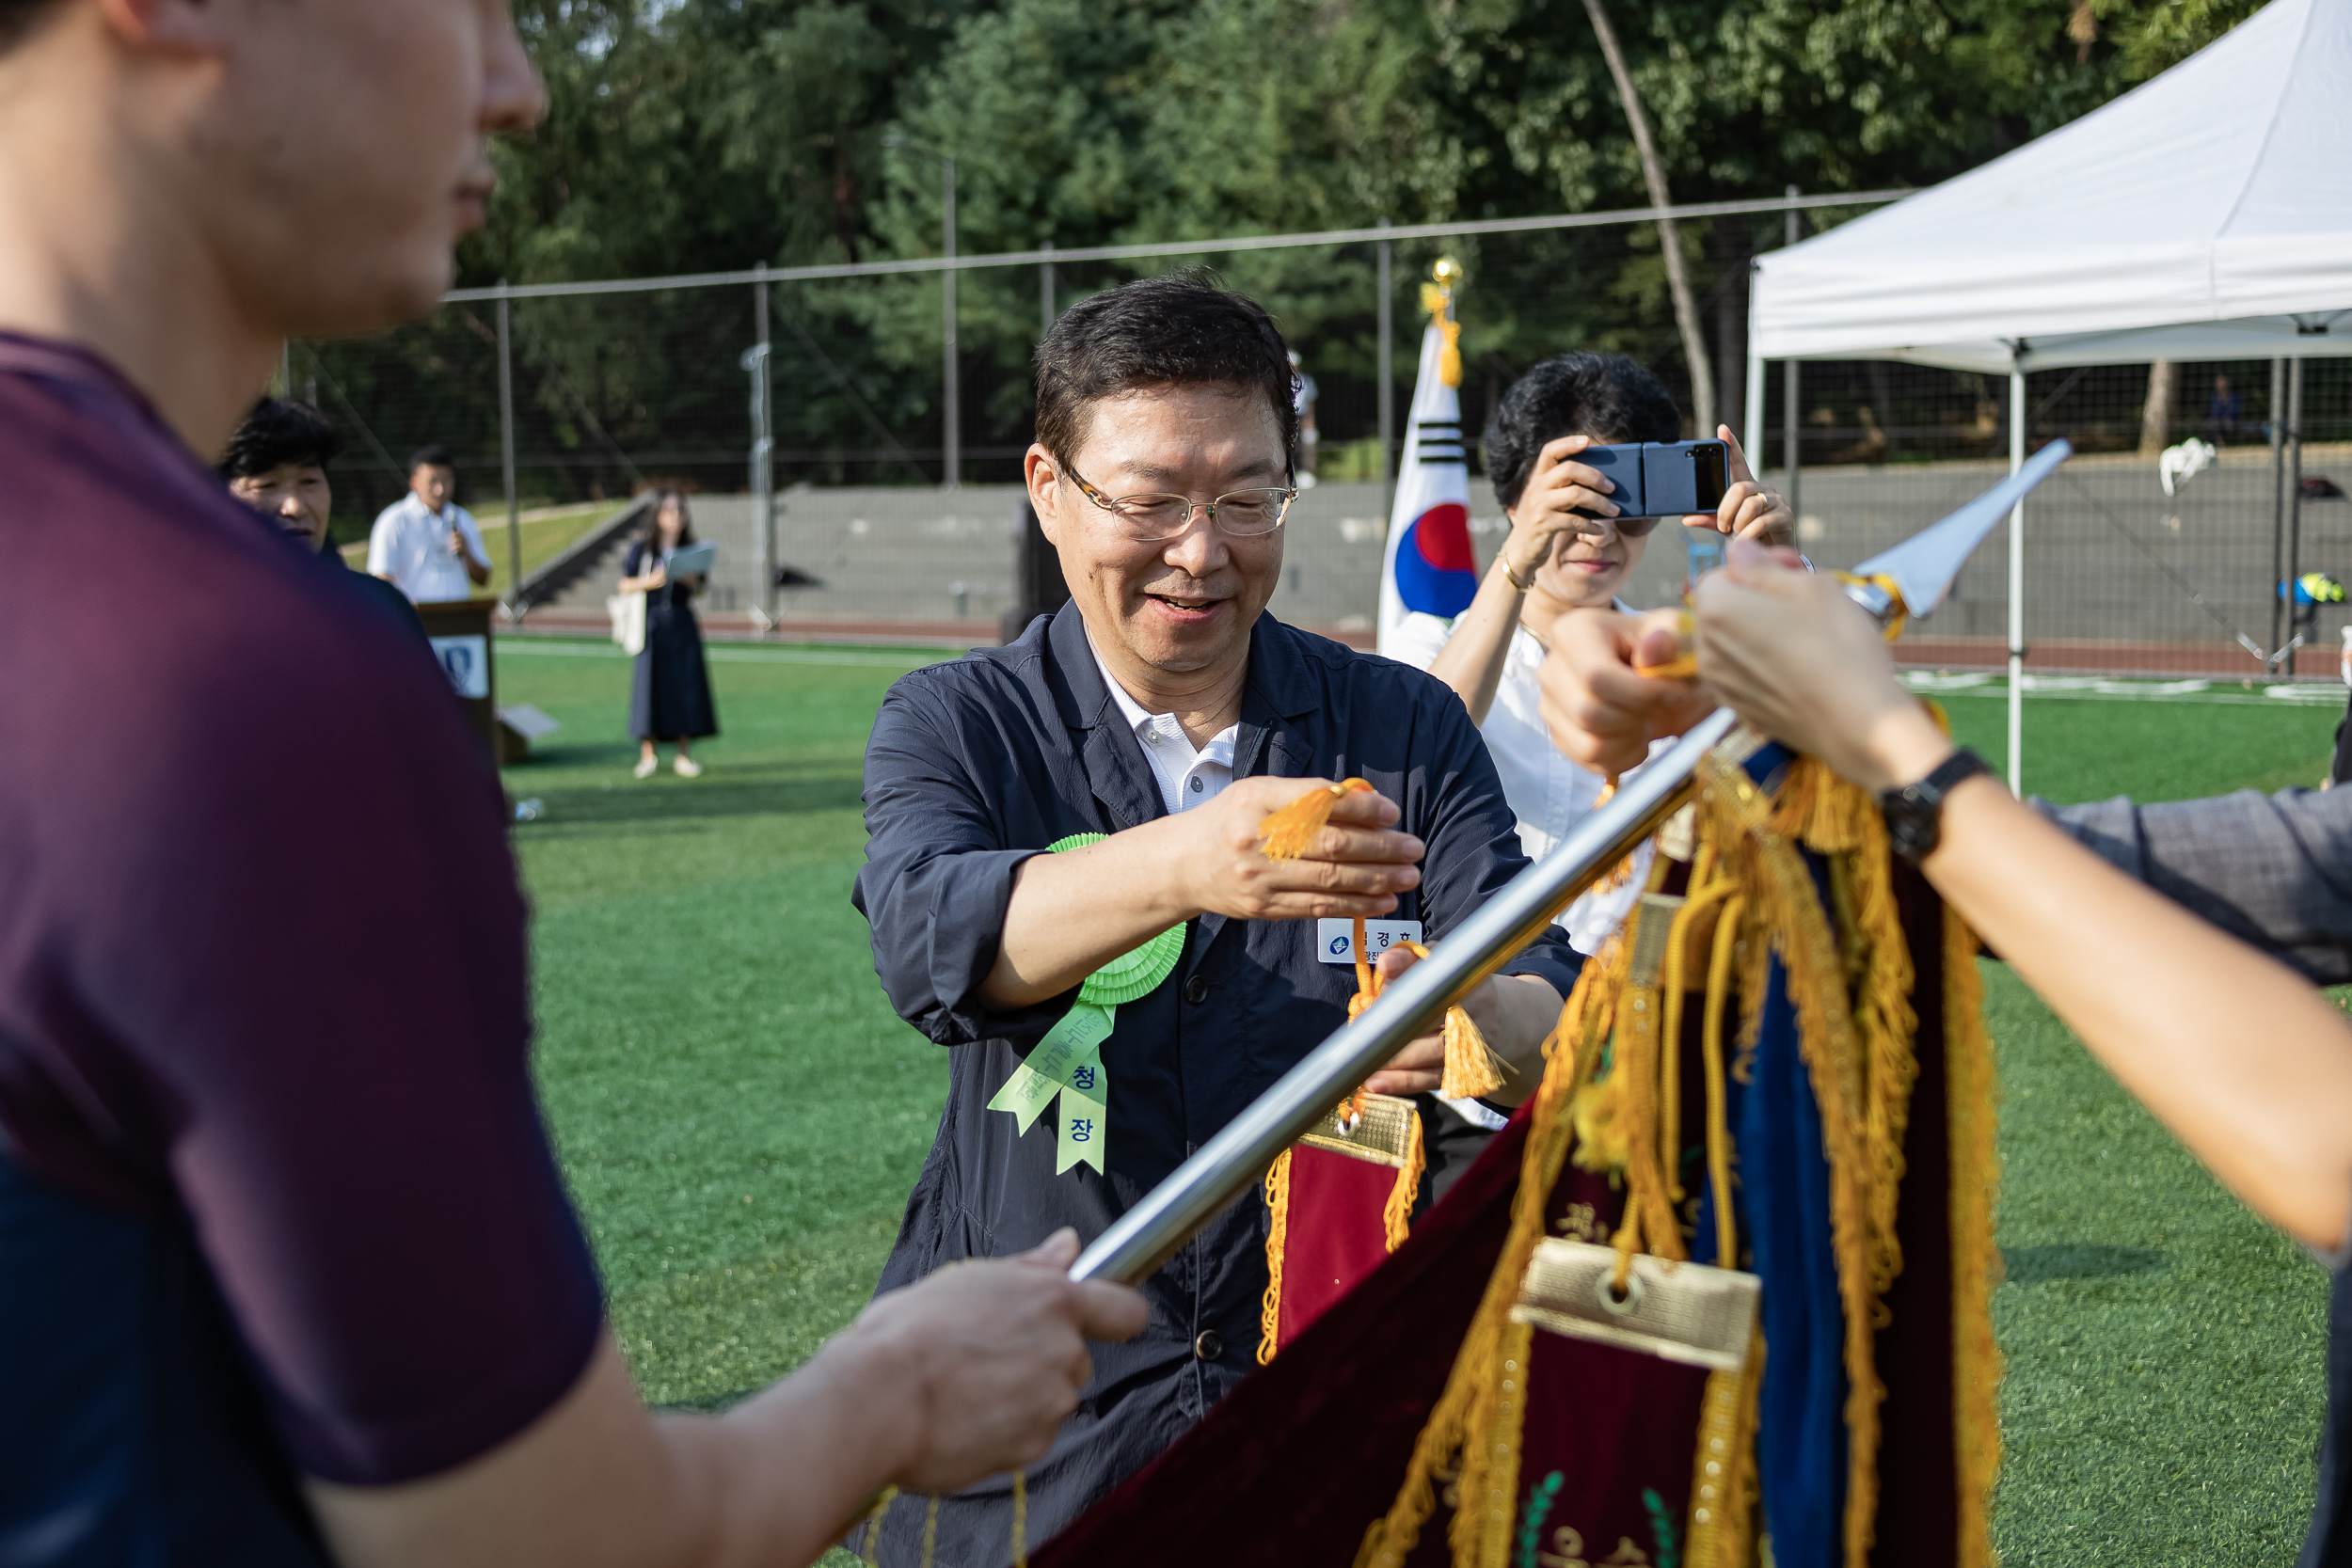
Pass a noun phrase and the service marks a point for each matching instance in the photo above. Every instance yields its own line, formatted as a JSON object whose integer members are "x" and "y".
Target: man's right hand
{"x": 988, "y": 1359}
{"x": 1070, "y": 914}
{"x": 1356, "y": 865}
{"x": 965, "y": 1375}
{"x": 1601, "y": 711}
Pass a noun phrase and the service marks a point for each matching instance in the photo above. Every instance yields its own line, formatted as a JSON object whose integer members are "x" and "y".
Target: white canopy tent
{"x": 2207, "y": 215}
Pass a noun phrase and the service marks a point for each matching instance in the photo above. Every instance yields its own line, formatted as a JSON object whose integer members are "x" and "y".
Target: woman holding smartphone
{"x": 1568, "y": 548}
{"x": 1555, "y": 558}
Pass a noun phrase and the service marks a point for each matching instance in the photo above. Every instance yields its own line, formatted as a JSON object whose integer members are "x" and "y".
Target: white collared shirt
{"x": 1188, "y": 776}
{"x": 1547, "y": 793}
{"x": 409, "y": 544}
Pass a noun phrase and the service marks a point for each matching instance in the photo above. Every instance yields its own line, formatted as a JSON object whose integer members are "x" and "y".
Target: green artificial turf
{"x": 2089, "y": 747}
{"x": 2164, "y": 1391}
{"x": 738, "y": 1110}
{"x": 741, "y": 1114}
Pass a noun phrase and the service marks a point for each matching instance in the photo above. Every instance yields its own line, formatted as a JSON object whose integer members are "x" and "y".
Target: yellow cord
{"x": 1703, "y": 897}
{"x": 930, "y": 1533}
{"x": 1397, "y": 1216}
{"x": 874, "y": 1521}
{"x": 1712, "y": 1051}
{"x": 1278, "y": 1202}
{"x": 1020, "y": 1520}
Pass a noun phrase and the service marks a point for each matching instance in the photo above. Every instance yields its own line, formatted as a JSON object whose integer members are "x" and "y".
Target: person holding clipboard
{"x": 670, "y": 696}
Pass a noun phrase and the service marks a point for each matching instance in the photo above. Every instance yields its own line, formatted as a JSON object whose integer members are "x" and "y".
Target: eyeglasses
{"x": 1147, "y": 519}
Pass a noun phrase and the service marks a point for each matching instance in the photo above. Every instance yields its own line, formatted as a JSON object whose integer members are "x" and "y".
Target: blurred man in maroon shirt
{"x": 287, "y": 1270}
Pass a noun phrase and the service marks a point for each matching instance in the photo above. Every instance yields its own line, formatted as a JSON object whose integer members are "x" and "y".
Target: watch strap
{"x": 1914, "y": 813}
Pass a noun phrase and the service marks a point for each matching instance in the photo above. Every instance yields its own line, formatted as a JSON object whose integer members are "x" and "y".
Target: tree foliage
{"x": 704, "y": 133}
{"x": 688, "y": 135}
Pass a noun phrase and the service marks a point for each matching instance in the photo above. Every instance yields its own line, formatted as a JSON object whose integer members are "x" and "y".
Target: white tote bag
{"x": 628, "y": 621}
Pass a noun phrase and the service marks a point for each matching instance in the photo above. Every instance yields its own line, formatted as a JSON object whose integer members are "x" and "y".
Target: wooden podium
{"x": 459, "y": 630}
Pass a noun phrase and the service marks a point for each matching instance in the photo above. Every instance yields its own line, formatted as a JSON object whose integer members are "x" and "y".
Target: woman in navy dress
{"x": 670, "y": 696}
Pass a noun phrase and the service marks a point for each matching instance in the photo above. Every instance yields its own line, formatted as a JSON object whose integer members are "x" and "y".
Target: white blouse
{"x": 1547, "y": 793}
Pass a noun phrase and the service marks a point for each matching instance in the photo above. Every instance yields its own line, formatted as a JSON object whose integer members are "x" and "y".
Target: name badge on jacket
{"x": 1335, "y": 940}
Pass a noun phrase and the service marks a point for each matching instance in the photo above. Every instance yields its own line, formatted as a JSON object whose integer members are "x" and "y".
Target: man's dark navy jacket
{"x": 976, "y": 766}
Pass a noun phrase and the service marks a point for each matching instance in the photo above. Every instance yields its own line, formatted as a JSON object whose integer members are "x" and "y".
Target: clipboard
{"x": 692, "y": 561}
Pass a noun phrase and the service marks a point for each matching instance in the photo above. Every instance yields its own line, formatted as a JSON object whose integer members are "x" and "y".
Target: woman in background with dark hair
{"x": 670, "y": 698}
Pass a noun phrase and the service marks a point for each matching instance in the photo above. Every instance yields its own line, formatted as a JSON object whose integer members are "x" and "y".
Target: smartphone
{"x": 1662, "y": 478}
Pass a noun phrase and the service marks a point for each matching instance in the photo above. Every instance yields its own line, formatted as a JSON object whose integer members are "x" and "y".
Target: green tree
{"x": 688, "y": 135}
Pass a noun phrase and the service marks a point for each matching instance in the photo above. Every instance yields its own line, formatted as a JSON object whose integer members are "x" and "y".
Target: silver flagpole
{"x": 1233, "y": 1161}
{"x": 1922, "y": 569}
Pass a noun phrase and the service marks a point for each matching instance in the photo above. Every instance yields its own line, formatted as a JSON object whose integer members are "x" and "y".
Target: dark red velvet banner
{"x": 1293, "y": 1466}
{"x": 1334, "y": 1234}
{"x": 1605, "y": 1454}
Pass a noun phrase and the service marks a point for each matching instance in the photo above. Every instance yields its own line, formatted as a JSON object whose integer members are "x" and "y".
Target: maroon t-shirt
{"x": 261, "y": 948}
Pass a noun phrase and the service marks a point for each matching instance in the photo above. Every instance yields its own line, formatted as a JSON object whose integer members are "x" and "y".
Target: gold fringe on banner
{"x": 1722, "y": 1472}
{"x": 1610, "y": 1100}
{"x": 1467, "y": 1403}
{"x": 1396, "y": 1212}
{"x": 1397, "y": 1216}
{"x": 1278, "y": 1202}
{"x": 1972, "y": 1090}
{"x": 1782, "y": 888}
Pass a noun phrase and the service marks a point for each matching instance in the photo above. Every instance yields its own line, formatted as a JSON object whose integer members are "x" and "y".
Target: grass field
{"x": 741, "y": 1114}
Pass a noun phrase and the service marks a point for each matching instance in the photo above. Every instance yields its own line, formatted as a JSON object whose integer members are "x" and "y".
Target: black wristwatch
{"x": 1914, "y": 813}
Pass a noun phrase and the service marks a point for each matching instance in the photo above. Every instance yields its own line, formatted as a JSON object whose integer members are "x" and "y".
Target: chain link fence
{"x": 838, "y": 432}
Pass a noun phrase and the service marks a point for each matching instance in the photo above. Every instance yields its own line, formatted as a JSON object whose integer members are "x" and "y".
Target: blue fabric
{"x": 1781, "y": 1202}
{"x": 1801, "y": 1427}
{"x": 132, "y": 1425}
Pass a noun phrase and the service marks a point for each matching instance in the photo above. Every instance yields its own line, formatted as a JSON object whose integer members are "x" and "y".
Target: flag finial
{"x": 1436, "y": 297}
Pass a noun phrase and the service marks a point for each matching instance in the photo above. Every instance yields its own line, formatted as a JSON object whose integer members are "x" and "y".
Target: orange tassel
{"x": 1470, "y": 1066}
{"x": 1285, "y": 834}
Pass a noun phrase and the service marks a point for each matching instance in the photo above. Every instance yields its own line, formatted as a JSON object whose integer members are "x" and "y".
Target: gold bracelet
{"x": 1509, "y": 576}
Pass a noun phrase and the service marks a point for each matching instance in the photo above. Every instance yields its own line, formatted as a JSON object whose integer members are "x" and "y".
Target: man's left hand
{"x": 1514, "y": 1013}
{"x": 1748, "y": 510}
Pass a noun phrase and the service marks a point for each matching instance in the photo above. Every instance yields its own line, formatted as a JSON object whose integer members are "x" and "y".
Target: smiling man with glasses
{"x": 1164, "y": 711}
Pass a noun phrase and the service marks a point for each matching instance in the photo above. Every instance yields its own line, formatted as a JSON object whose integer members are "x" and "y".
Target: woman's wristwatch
{"x": 1914, "y": 814}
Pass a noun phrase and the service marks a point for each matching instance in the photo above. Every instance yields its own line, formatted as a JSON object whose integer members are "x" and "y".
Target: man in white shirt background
{"x": 425, "y": 545}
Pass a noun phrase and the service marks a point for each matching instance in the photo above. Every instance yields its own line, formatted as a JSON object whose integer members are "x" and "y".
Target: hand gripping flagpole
{"x": 1911, "y": 579}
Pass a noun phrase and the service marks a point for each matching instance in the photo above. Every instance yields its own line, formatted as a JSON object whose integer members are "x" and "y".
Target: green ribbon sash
{"x": 1068, "y": 1062}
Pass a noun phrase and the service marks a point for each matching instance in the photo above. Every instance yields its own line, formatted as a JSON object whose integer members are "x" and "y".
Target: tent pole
{"x": 2277, "y": 508}
{"x": 1788, "y": 393}
{"x": 1789, "y": 399}
{"x": 1752, "y": 435}
{"x": 2017, "y": 590}
{"x": 2294, "y": 499}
